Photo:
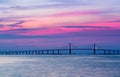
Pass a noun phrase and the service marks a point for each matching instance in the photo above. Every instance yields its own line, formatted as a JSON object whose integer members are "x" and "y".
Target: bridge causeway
{"x": 68, "y": 51}
{"x": 60, "y": 52}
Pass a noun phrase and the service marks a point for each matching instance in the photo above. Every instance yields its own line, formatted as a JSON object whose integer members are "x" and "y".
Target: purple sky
{"x": 41, "y": 24}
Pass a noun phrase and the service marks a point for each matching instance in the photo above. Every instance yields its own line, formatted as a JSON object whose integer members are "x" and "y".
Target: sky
{"x": 47, "y": 24}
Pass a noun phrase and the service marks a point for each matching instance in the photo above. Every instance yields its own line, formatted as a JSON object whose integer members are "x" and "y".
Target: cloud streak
{"x": 17, "y": 24}
{"x": 86, "y": 27}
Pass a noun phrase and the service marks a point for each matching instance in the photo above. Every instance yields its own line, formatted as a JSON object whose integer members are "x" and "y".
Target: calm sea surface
{"x": 60, "y": 66}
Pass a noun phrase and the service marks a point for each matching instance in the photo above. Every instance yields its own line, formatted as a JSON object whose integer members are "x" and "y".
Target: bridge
{"x": 64, "y": 51}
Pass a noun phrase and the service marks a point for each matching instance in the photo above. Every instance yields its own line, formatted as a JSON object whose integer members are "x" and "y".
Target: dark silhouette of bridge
{"x": 63, "y": 51}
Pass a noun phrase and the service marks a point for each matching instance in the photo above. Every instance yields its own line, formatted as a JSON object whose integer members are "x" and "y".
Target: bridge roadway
{"x": 59, "y": 52}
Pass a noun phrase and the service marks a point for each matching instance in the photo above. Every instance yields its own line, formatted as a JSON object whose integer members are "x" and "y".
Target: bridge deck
{"x": 60, "y": 52}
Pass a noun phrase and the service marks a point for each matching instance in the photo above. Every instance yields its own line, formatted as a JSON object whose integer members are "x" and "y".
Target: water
{"x": 60, "y": 66}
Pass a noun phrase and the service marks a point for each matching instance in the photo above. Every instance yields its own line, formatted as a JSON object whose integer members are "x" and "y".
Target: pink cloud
{"x": 107, "y": 24}
{"x": 49, "y": 31}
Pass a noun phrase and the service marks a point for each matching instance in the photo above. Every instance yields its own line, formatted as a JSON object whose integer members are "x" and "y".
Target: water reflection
{"x": 60, "y": 66}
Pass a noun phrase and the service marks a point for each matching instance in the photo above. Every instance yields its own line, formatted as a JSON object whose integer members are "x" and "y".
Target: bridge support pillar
{"x": 47, "y": 51}
{"x": 109, "y": 52}
{"x": 58, "y": 52}
{"x": 104, "y": 51}
{"x": 53, "y": 52}
{"x": 94, "y": 49}
{"x": 70, "y": 49}
{"x": 113, "y": 52}
{"x": 42, "y": 52}
{"x": 118, "y": 52}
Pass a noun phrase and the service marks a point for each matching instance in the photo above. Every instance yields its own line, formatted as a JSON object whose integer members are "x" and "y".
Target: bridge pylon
{"x": 94, "y": 49}
{"x": 70, "y": 48}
